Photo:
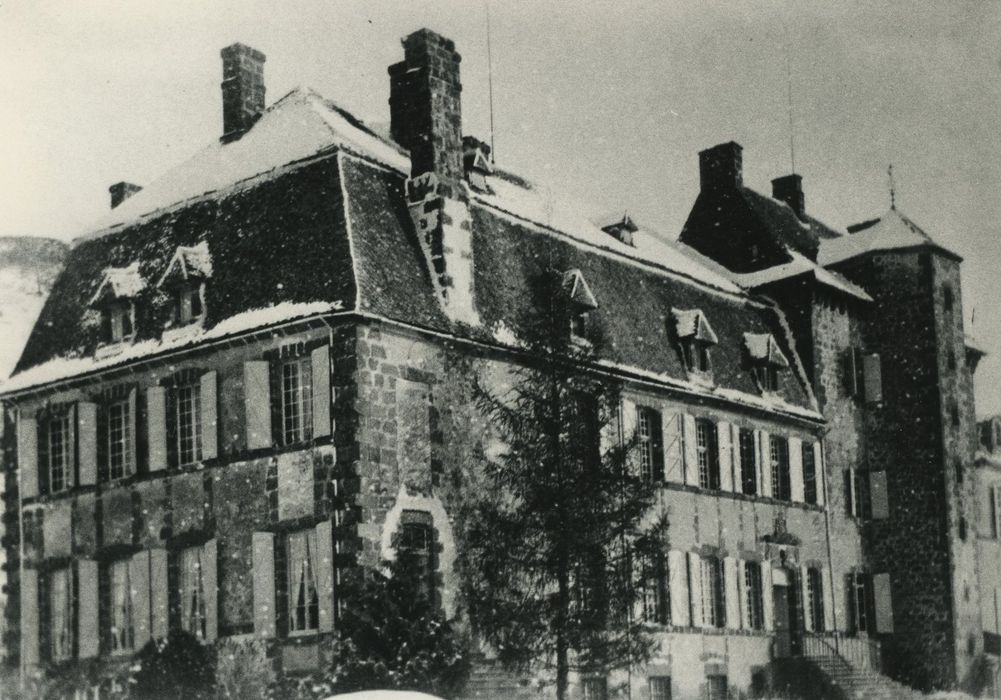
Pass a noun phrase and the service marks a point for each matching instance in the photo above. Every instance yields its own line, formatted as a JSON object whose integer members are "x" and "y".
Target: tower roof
{"x": 892, "y": 231}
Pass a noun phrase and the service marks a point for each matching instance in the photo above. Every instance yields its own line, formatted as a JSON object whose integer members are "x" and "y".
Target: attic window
{"x": 696, "y": 338}
{"x": 476, "y": 163}
{"x": 185, "y": 277}
{"x": 767, "y": 360}
{"x": 619, "y": 226}
{"x": 581, "y": 303}
{"x": 115, "y": 300}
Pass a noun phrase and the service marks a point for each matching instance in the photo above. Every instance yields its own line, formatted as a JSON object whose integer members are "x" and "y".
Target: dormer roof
{"x": 762, "y": 347}
{"x": 692, "y": 323}
{"x": 118, "y": 283}
{"x": 577, "y": 290}
{"x": 188, "y": 263}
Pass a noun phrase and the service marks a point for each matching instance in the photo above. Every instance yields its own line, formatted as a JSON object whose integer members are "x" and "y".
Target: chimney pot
{"x": 242, "y": 89}
{"x": 120, "y": 191}
{"x": 789, "y": 189}
{"x": 721, "y": 167}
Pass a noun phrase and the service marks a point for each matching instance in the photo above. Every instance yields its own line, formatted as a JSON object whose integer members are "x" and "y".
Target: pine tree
{"x": 552, "y": 538}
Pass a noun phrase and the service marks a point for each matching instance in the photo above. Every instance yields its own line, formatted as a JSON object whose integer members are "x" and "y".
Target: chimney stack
{"x": 425, "y": 108}
{"x": 242, "y": 89}
{"x": 721, "y": 167}
{"x": 789, "y": 189}
{"x": 120, "y": 191}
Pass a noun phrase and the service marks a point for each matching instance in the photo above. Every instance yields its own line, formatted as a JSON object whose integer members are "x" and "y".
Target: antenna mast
{"x": 490, "y": 86}
{"x": 792, "y": 130}
{"x": 893, "y": 189}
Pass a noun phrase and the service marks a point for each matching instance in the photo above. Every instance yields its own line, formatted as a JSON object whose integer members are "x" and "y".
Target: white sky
{"x": 607, "y": 102}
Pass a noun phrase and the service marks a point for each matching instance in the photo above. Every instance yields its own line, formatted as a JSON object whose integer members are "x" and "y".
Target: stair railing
{"x": 859, "y": 653}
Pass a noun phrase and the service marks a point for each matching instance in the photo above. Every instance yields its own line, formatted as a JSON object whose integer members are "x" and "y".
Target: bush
{"x": 176, "y": 668}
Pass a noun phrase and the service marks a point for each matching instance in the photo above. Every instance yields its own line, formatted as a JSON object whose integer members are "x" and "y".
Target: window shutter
{"x": 723, "y": 433}
{"x": 873, "y": 373}
{"x": 879, "y": 498}
{"x": 731, "y": 586}
{"x": 883, "y": 600}
{"x": 257, "y": 402}
{"x": 851, "y": 371}
{"x": 133, "y": 464}
{"x": 827, "y": 583}
{"x": 74, "y": 452}
{"x": 210, "y": 559}
{"x": 264, "y": 584}
{"x": 767, "y": 603}
{"x": 156, "y": 417}
{"x": 690, "y": 443}
{"x": 677, "y": 572}
{"x": 657, "y": 443}
{"x": 158, "y": 594}
{"x": 996, "y": 492}
{"x": 609, "y": 434}
{"x": 27, "y": 454}
{"x": 796, "y": 470}
{"x": 29, "y": 617}
{"x": 88, "y": 636}
{"x": 745, "y": 595}
{"x": 820, "y": 474}
{"x": 320, "y": 358}
{"x": 630, "y": 420}
{"x": 765, "y": 443}
{"x": 695, "y": 588}
{"x": 674, "y": 453}
{"x": 325, "y": 574}
{"x": 850, "y": 497}
{"x": 738, "y": 472}
{"x": 210, "y": 416}
{"x": 139, "y": 580}
{"x": 86, "y": 416}
{"x": 804, "y": 588}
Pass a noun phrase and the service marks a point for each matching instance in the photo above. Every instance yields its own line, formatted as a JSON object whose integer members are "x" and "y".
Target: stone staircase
{"x": 853, "y": 683}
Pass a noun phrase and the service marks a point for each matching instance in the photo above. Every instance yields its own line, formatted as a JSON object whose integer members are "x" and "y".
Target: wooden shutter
{"x": 210, "y": 586}
{"x": 731, "y": 587}
{"x": 657, "y": 445}
{"x": 325, "y": 574}
{"x": 133, "y": 447}
{"x": 765, "y": 446}
{"x": 738, "y": 470}
{"x": 88, "y": 634}
{"x": 767, "y": 603}
{"x": 86, "y": 416}
{"x": 257, "y": 403}
{"x": 158, "y": 594}
{"x": 820, "y": 473}
{"x": 27, "y": 454}
{"x": 210, "y": 416}
{"x": 677, "y": 573}
{"x": 804, "y": 588}
{"x": 828, "y": 585}
{"x": 609, "y": 432}
{"x": 796, "y": 488}
{"x": 320, "y": 359}
{"x": 139, "y": 580}
{"x": 725, "y": 447}
{"x": 872, "y": 370}
{"x": 851, "y": 371}
{"x": 674, "y": 452}
{"x": 630, "y": 420}
{"x": 745, "y": 595}
{"x": 879, "y": 498}
{"x": 850, "y": 498}
{"x": 883, "y": 600}
{"x": 264, "y": 584}
{"x": 29, "y": 617}
{"x": 695, "y": 588}
{"x": 690, "y": 442}
{"x": 74, "y": 452}
{"x": 156, "y": 418}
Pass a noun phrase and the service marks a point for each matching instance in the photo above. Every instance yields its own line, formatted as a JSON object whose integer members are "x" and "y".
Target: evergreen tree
{"x": 552, "y": 538}
{"x": 176, "y": 668}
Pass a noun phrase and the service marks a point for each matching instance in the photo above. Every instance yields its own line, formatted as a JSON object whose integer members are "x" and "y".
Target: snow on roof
{"x": 892, "y": 231}
{"x": 189, "y": 261}
{"x": 125, "y": 283}
{"x": 799, "y": 265}
{"x": 299, "y": 125}
{"x": 62, "y": 368}
{"x": 578, "y": 290}
{"x": 384, "y": 695}
{"x": 762, "y": 346}
{"x": 693, "y": 322}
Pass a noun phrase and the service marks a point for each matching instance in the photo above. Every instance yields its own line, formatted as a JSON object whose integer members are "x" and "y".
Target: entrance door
{"x": 780, "y": 609}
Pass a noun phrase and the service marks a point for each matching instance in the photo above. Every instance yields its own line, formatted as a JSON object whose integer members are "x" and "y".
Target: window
{"x": 578, "y": 324}
{"x": 809, "y": 474}
{"x": 594, "y": 689}
{"x": 416, "y": 543}
{"x": 118, "y": 319}
{"x": 857, "y": 488}
{"x": 781, "y": 476}
{"x": 767, "y": 376}
{"x": 122, "y": 636}
{"x": 660, "y": 688}
{"x": 995, "y": 510}
{"x": 297, "y": 399}
{"x": 708, "y": 454}
{"x": 59, "y": 447}
{"x": 860, "y": 600}
{"x": 192, "y": 592}
{"x": 651, "y": 444}
{"x": 61, "y": 614}
{"x": 853, "y": 371}
{"x": 713, "y": 601}
{"x": 121, "y": 441}
{"x": 815, "y": 598}
{"x": 753, "y": 595}
{"x": 656, "y": 601}
{"x": 696, "y": 354}
{"x": 748, "y": 462}
{"x": 188, "y": 306}
{"x": 947, "y": 297}
{"x": 188, "y": 423}
{"x": 303, "y": 598}
{"x": 716, "y": 687}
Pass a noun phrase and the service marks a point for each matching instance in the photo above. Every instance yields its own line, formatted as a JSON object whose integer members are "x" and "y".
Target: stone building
{"x": 204, "y": 433}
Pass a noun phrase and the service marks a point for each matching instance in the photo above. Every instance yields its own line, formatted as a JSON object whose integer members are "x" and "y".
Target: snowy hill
{"x": 28, "y": 267}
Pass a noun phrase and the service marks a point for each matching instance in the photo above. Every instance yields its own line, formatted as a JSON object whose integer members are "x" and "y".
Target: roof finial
{"x": 893, "y": 190}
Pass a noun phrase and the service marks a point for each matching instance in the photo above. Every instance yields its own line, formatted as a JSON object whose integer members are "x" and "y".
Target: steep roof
{"x": 892, "y": 231}
{"x": 798, "y": 265}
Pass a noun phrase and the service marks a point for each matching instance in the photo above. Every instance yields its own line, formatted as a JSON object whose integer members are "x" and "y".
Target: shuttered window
{"x": 187, "y": 418}
{"x": 58, "y": 450}
{"x": 61, "y": 614}
{"x": 814, "y": 603}
{"x": 120, "y": 438}
{"x": 781, "y": 474}
{"x": 660, "y": 688}
{"x": 713, "y": 596}
{"x": 296, "y": 400}
{"x": 122, "y": 633}
{"x": 860, "y": 601}
{"x": 192, "y": 591}
{"x": 809, "y": 473}
{"x": 995, "y": 510}
{"x": 748, "y": 462}
{"x": 706, "y": 446}
{"x": 753, "y": 595}
{"x": 303, "y": 599}
{"x": 650, "y": 436}
{"x": 716, "y": 687}
{"x": 656, "y": 598}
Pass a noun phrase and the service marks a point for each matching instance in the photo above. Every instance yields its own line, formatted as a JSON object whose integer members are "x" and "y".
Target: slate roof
{"x": 310, "y": 183}
{"x": 892, "y": 231}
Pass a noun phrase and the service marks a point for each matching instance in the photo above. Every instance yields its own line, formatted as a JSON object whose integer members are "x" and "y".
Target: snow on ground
{"x": 384, "y": 695}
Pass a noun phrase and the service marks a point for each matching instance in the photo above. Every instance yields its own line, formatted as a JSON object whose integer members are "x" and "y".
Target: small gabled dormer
{"x": 185, "y": 278}
{"x": 476, "y": 163}
{"x": 619, "y": 226}
{"x": 696, "y": 339}
{"x": 115, "y": 301}
{"x": 767, "y": 360}
{"x": 580, "y": 304}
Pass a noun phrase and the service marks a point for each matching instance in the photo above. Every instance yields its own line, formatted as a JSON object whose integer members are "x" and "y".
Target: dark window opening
{"x": 947, "y": 297}
{"x": 815, "y": 603}
{"x": 809, "y": 474}
{"x": 656, "y": 600}
{"x": 697, "y": 355}
{"x": 651, "y": 444}
{"x": 861, "y": 600}
{"x": 417, "y": 545}
{"x": 781, "y": 474}
{"x": 754, "y": 597}
{"x": 767, "y": 376}
{"x": 748, "y": 462}
{"x": 707, "y": 451}
{"x": 660, "y": 688}
{"x": 716, "y": 688}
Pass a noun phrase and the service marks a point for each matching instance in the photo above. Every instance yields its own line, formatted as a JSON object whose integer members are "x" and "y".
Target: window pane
{"x": 61, "y": 614}
{"x": 781, "y": 477}
{"x": 59, "y": 451}
{"x": 748, "y": 462}
{"x": 815, "y": 591}
{"x": 595, "y": 689}
{"x": 192, "y": 592}
{"x": 297, "y": 400}
{"x": 705, "y": 445}
{"x": 753, "y": 599}
{"x": 121, "y": 607}
{"x": 189, "y": 424}
{"x": 716, "y": 688}
{"x": 303, "y": 598}
{"x": 660, "y": 688}
{"x": 120, "y": 439}
{"x": 809, "y": 474}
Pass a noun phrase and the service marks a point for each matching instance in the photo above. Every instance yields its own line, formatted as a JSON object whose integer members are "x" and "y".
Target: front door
{"x": 780, "y": 608}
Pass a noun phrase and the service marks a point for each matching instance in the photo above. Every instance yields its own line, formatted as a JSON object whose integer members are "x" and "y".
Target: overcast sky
{"x": 607, "y": 102}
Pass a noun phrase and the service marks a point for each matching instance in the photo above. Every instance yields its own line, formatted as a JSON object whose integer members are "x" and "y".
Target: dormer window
{"x": 696, "y": 338}
{"x": 581, "y": 303}
{"x": 767, "y": 360}
{"x": 185, "y": 278}
{"x": 115, "y": 301}
{"x": 188, "y": 305}
{"x": 618, "y": 225}
{"x": 121, "y": 320}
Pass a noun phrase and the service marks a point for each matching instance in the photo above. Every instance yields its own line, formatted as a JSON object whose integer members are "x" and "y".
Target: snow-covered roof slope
{"x": 892, "y": 231}
{"x": 800, "y": 265}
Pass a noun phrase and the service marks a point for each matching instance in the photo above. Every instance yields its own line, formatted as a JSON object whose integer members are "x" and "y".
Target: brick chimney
{"x": 789, "y": 189}
{"x": 721, "y": 167}
{"x": 242, "y": 89}
{"x": 426, "y": 118}
{"x": 120, "y": 191}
